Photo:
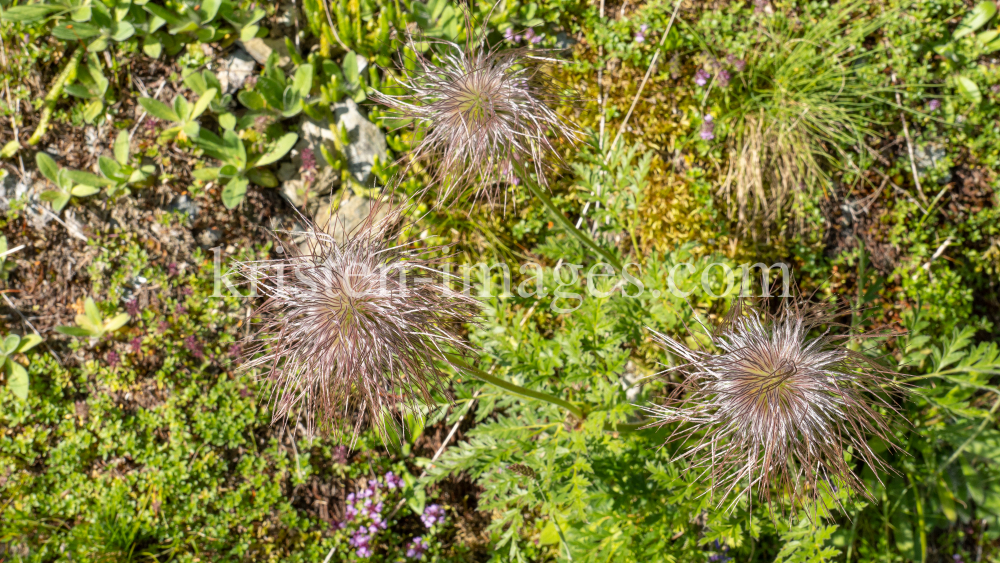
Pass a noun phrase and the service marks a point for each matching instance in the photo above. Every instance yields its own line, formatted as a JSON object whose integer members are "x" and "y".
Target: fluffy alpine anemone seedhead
{"x": 352, "y": 330}
{"x": 477, "y": 110}
{"x": 775, "y": 410}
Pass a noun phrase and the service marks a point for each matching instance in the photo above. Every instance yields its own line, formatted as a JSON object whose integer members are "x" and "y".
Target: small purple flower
{"x": 136, "y": 345}
{"x": 933, "y": 105}
{"x": 308, "y": 167}
{"x": 180, "y": 310}
{"x": 338, "y": 524}
{"x": 193, "y": 346}
{"x": 151, "y": 124}
{"x": 957, "y": 558}
{"x": 393, "y": 481}
{"x": 163, "y": 326}
{"x": 701, "y": 77}
{"x": 531, "y": 37}
{"x": 509, "y": 35}
{"x": 724, "y": 77}
{"x": 708, "y": 128}
{"x": 995, "y": 88}
{"x": 132, "y": 307}
{"x": 172, "y": 269}
{"x": 350, "y": 513}
{"x": 235, "y": 350}
{"x": 417, "y": 548}
{"x": 361, "y": 542}
{"x": 112, "y": 359}
{"x": 640, "y": 35}
{"x": 351, "y": 497}
{"x": 432, "y": 515}
{"x": 738, "y": 64}
{"x": 340, "y": 456}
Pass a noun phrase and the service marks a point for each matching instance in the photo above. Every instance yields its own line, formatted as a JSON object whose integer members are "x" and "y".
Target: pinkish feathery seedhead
{"x": 353, "y": 330}
{"x": 477, "y": 109}
{"x": 776, "y": 409}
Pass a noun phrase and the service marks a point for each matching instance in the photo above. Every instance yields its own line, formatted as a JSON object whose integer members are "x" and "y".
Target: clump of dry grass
{"x": 802, "y": 100}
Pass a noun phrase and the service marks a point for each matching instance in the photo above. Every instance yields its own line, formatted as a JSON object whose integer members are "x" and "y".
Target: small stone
{"x": 209, "y": 238}
{"x": 366, "y": 141}
{"x": 299, "y": 193}
{"x": 234, "y": 70}
{"x": 183, "y": 204}
{"x": 287, "y": 171}
{"x": 261, "y": 49}
{"x": 564, "y": 42}
{"x": 926, "y": 158}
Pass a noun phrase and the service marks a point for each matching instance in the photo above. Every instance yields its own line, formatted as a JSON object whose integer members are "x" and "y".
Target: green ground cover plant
{"x": 854, "y": 142}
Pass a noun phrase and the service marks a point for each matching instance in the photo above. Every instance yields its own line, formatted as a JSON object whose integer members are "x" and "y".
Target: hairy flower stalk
{"x": 775, "y": 409}
{"x": 354, "y": 330}
{"x": 477, "y": 110}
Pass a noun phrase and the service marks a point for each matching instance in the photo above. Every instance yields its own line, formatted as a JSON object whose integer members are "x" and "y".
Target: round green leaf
{"x": 17, "y": 379}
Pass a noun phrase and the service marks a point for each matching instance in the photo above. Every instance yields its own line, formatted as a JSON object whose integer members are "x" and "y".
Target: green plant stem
{"x": 539, "y": 193}
{"x": 67, "y": 75}
{"x": 514, "y": 388}
{"x": 621, "y": 427}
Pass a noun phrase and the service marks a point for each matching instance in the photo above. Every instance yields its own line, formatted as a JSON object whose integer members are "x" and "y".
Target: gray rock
{"x": 366, "y": 140}
{"x": 299, "y": 193}
{"x": 261, "y": 49}
{"x": 234, "y": 70}
{"x": 183, "y": 204}
{"x": 287, "y": 170}
{"x": 564, "y": 42}
{"x": 926, "y": 158}
{"x": 343, "y": 219}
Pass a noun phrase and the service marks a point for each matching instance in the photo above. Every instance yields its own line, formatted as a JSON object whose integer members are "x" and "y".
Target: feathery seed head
{"x": 352, "y": 330}
{"x": 775, "y": 408}
{"x": 476, "y": 109}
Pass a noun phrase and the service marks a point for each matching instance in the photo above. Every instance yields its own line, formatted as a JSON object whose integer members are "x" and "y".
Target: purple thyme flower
{"x": 361, "y": 542}
{"x": 172, "y": 269}
{"x": 180, "y": 309}
{"x": 393, "y": 481}
{"x": 112, "y": 359}
{"x": 708, "y": 128}
{"x": 640, "y": 36}
{"x": 235, "y": 350}
{"x": 933, "y": 105}
{"x": 531, "y": 37}
{"x": 351, "y": 497}
{"x": 509, "y": 35}
{"x": 724, "y": 77}
{"x": 701, "y": 77}
{"x": 738, "y": 64}
{"x": 340, "y": 456}
{"x": 195, "y": 347}
{"x": 163, "y": 326}
{"x": 132, "y": 307}
{"x": 957, "y": 558}
{"x": 417, "y": 548}
{"x": 338, "y": 524}
{"x": 432, "y": 515}
{"x": 136, "y": 345}
{"x": 308, "y": 167}
{"x": 151, "y": 124}
{"x": 350, "y": 513}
